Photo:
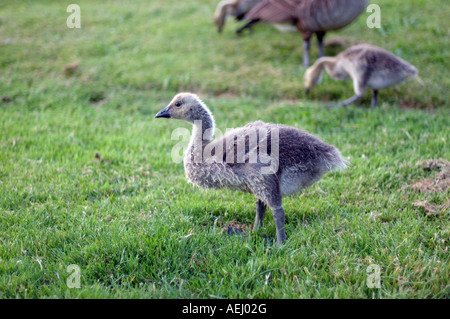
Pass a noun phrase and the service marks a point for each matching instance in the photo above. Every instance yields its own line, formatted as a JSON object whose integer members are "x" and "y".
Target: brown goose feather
{"x": 309, "y": 16}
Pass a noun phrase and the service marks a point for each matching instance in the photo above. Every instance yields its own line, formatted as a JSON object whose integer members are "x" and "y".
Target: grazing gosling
{"x": 269, "y": 160}
{"x": 368, "y": 66}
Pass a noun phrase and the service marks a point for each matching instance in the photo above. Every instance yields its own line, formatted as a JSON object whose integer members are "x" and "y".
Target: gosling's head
{"x": 186, "y": 106}
{"x": 312, "y": 77}
{"x": 219, "y": 20}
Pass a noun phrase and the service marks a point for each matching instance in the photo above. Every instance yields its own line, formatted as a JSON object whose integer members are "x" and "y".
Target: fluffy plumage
{"x": 268, "y": 160}
{"x": 367, "y": 65}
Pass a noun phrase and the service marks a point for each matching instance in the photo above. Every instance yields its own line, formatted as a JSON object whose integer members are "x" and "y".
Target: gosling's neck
{"x": 203, "y": 130}
{"x": 221, "y": 13}
{"x": 202, "y": 135}
{"x": 327, "y": 63}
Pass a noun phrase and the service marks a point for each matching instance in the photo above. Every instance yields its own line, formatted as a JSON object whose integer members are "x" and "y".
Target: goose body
{"x": 300, "y": 161}
{"x": 268, "y": 160}
{"x": 309, "y": 16}
{"x": 368, "y": 66}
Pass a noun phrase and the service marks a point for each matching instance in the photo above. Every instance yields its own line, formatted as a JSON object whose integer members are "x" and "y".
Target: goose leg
{"x": 260, "y": 211}
{"x": 320, "y": 36}
{"x": 306, "y": 46}
{"x": 247, "y": 25}
{"x": 374, "y": 98}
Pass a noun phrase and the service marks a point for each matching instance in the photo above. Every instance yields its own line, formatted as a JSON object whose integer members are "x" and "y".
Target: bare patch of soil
{"x": 432, "y": 210}
{"x": 441, "y": 180}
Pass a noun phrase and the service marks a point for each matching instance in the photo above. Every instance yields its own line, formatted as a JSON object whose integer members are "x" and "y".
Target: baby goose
{"x": 269, "y": 160}
{"x": 368, "y": 66}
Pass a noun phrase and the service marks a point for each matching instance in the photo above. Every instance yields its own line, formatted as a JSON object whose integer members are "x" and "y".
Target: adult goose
{"x": 309, "y": 16}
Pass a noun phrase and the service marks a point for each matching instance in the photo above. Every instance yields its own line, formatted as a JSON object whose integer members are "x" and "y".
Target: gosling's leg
{"x": 271, "y": 196}
{"x": 374, "y": 98}
{"x": 260, "y": 211}
{"x": 351, "y": 100}
{"x": 359, "y": 86}
{"x": 278, "y": 216}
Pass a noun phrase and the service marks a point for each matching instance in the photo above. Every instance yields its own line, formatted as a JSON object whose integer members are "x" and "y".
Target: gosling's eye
{"x": 177, "y": 104}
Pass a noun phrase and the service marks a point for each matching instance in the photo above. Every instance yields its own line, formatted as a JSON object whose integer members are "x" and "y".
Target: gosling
{"x": 269, "y": 160}
{"x": 368, "y": 66}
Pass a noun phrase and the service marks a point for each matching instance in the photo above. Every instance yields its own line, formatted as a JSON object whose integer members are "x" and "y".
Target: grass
{"x": 133, "y": 224}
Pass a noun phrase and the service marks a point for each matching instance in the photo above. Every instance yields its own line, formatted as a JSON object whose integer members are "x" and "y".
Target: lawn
{"x": 127, "y": 218}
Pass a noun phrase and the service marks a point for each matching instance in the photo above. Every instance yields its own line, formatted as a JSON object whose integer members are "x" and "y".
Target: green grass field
{"x": 132, "y": 223}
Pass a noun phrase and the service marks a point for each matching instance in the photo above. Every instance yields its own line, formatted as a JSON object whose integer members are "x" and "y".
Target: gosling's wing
{"x": 250, "y": 144}
{"x": 304, "y": 151}
{"x": 384, "y": 60}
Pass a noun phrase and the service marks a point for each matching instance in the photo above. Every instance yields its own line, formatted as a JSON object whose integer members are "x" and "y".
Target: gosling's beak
{"x": 163, "y": 113}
